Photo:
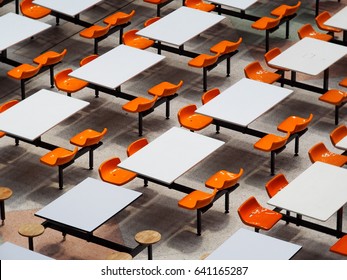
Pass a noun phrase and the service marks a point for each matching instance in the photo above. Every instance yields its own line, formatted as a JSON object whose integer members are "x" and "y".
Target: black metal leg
{"x": 267, "y": 39}
{"x": 51, "y": 73}
{"x": 22, "y": 88}
{"x": 91, "y": 159}
{"x": 228, "y": 67}
{"x": 339, "y": 219}
{"x": 272, "y": 162}
{"x": 167, "y": 108}
{"x": 140, "y": 124}
{"x": 227, "y": 200}
{"x": 31, "y": 243}
{"x": 150, "y": 252}
{"x": 96, "y": 46}
{"x": 2, "y": 207}
{"x": 296, "y": 149}
{"x": 204, "y": 79}
{"x": 60, "y": 176}
{"x": 287, "y": 29}
{"x": 198, "y": 222}
{"x": 326, "y": 79}
{"x": 337, "y": 115}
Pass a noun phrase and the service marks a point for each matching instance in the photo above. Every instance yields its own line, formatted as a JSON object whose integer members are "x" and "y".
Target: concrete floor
{"x": 35, "y": 185}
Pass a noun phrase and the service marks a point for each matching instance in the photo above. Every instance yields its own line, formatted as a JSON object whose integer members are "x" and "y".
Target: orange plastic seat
{"x": 50, "y": 58}
{"x": 88, "y": 137}
{"x": 253, "y": 214}
{"x": 294, "y": 124}
{"x": 338, "y": 134}
{"x": 88, "y": 59}
{"x": 274, "y": 185}
{"x": 59, "y": 157}
{"x": 321, "y": 19}
{"x": 150, "y": 21}
{"x": 272, "y": 143}
{"x": 200, "y": 5}
{"x": 33, "y": 11}
{"x": 255, "y": 71}
{"x": 119, "y": 18}
{"x": 204, "y": 61}
{"x": 266, "y": 23}
{"x": 136, "y": 145}
{"x": 209, "y": 95}
{"x": 131, "y": 39}
{"x": 335, "y": 97}
{"x": 225, "y": 46}
{"x": 285, "y": 10}
{"x": 165, "y": 89}
{"x": 111, "y": 173}
{"x": 197, "y": 200}
{"x": 340, "y": 247}
{"x": 272, "y": 54}
{"x": 223, "y": 179}
{"x": 23, "y": 73}
{"x": 4, "y": 107}
{"x": 308, "y": 31}
{"x": 343, "y": 83}
{"x": 68, "y": 84}
{"x": 95, "y": 31}
{"x": 319, "y": 152}
{"x": 191, "y": 120}
{"x": 140, "y": 105}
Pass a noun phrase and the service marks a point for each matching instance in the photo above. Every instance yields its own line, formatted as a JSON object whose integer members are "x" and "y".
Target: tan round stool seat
{"x": 5, "y": 193}
{"x": 148, "y": 238}
{"x": 119, "y": 256}
{"x": 31, "y": 231}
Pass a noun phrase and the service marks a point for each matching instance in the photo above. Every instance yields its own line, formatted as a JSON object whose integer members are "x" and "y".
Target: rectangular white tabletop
{"x": 171, "y": 154}
{"x": 117, "y": 66}
{"x": 16, "y": 28}
{"x": 88, "y": 205}
{"x": 342, "y": 144}
{"x": 180, "y": 26}
{"x": 244, "y": 102}
{"x": 67, "y": 7}
{"x": 10, "y": 251}
{"x": 338, "y": 20}
{"x": 33, "y": 116}
{"x": 237, "y": 4}
{"x": 309, "y": 56}
{"x": 318, "y": 193}
{"x": 249, "y": 245}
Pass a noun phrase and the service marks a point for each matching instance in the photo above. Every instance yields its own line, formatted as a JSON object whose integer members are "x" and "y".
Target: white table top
{"x": 171, "y": 155}
{"x": 249, "y": 245}
{"x": 24, "y": 28}
{"x": 318, "y": 192}
{"x": 180, "y": 26}
{"x": 342, "y": 144}
{"x": 339, "y": 19}
{"x": 244, "y": 102}
{"x": 33, "y": 116}
{"x": 309, "y": 56}
{"x": 10, "y": 251}
{"x": 67, "y": 7}
{"x": 117, "y": 66}
{"x": 88, "y": 205}
{"x": 237, "y": 4}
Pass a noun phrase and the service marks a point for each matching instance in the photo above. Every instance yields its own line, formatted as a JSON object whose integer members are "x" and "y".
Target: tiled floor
{"x": 34, "y": 185}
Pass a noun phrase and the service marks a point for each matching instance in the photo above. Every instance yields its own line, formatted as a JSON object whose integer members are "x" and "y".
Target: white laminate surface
{"x": 249, "y": 245}
{"x": 171, "y": 155}
{"x": 309, "y": 56}
{"x": 38, "y": 113}
{"x": 16, "y": 28}
{"x": 338, "y": 20}
{"x": 116, "y": 66}
{"x": 318, "y": 193}
{"x": 180, "y": 26}
{"x": 342, "y": 144}
{"x": 10, "y": 251}
{"x": 68, "y": 7}
{"x": 237, "y": 4}
{"x": 88, "y": 205}
{"x": 244, "y": 102}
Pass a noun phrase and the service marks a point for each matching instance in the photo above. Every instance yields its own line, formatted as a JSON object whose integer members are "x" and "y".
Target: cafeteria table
{"x": 25, "y": 29}
{"x": 68, "y": 10}
{"x": 242, "y": 103}
{"x": 85, "y": 208}
{"x": 338, "y": 20}
{"x": 317, "y": 193}
{"x": 241, "y": 6}
{"x": 175, "y": 29}
{"x": 10, "y": 251}
{"x": 309, "y": 56}
{"x": 249, "y": 245}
